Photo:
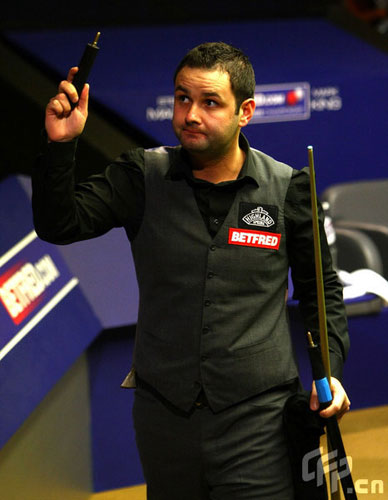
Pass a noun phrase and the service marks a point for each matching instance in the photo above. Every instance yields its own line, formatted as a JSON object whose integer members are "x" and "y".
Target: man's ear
{"x": 247, "y": 109}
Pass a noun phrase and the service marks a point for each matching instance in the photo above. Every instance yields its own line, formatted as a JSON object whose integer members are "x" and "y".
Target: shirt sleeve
{"x": 300, "y": 246}
{"x": 65, "y": 212}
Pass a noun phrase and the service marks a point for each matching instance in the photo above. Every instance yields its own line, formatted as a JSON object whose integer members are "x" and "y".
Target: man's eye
{"x": 211, "y": 103}
{"x": 182, "y": 98}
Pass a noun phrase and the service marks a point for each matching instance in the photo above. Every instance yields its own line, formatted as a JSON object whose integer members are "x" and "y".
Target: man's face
{"x": 205, "y": 119}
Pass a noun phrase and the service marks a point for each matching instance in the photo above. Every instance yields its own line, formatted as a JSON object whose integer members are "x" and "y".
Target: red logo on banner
{"x": 22, "y": 287}
{"x": 258, "y": 239}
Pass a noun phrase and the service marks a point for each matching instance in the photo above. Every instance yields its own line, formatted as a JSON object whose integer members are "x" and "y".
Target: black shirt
{"x": 64, "y": 213}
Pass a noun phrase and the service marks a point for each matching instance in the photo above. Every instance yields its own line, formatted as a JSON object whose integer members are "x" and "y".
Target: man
{"x": 214, "y": 226}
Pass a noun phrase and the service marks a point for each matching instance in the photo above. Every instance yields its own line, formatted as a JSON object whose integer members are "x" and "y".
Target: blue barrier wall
{"x": 45, "y": 321}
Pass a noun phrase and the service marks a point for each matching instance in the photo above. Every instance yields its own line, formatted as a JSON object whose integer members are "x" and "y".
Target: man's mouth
{"x": 193, "y": 131}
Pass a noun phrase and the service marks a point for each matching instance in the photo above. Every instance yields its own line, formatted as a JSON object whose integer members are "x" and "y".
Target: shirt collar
{"x": 180, "y": 165}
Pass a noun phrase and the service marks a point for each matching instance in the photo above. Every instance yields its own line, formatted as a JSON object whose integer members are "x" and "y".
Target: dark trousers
{"x": 237, "y": 454}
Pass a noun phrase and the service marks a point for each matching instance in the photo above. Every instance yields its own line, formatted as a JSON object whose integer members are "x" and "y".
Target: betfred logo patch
{"x": 258, "y": 239}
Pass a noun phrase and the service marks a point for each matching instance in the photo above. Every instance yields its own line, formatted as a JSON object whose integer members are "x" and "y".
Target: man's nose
{"x": 193, "y": 114}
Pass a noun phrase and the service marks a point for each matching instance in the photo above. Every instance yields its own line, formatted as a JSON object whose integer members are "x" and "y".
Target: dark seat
{"x": 362, "y": 206}
{"x": 356, "y": 250}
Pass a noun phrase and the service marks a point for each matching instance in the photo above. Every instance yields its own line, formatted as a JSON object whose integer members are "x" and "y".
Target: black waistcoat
{"x": 212, "y": 312}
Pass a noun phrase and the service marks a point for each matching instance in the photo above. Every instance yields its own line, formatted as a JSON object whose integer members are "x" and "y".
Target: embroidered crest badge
{"x": 258, "y": 217}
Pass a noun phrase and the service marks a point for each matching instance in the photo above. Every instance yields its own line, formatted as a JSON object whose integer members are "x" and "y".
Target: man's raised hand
{"x": 63, "y": 124}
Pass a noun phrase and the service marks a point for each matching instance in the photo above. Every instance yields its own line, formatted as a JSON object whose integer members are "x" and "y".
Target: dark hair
{"x": 220, "y": 55}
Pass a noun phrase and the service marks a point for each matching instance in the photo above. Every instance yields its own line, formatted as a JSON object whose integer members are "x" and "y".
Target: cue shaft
{"x": 324, "y": 344}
